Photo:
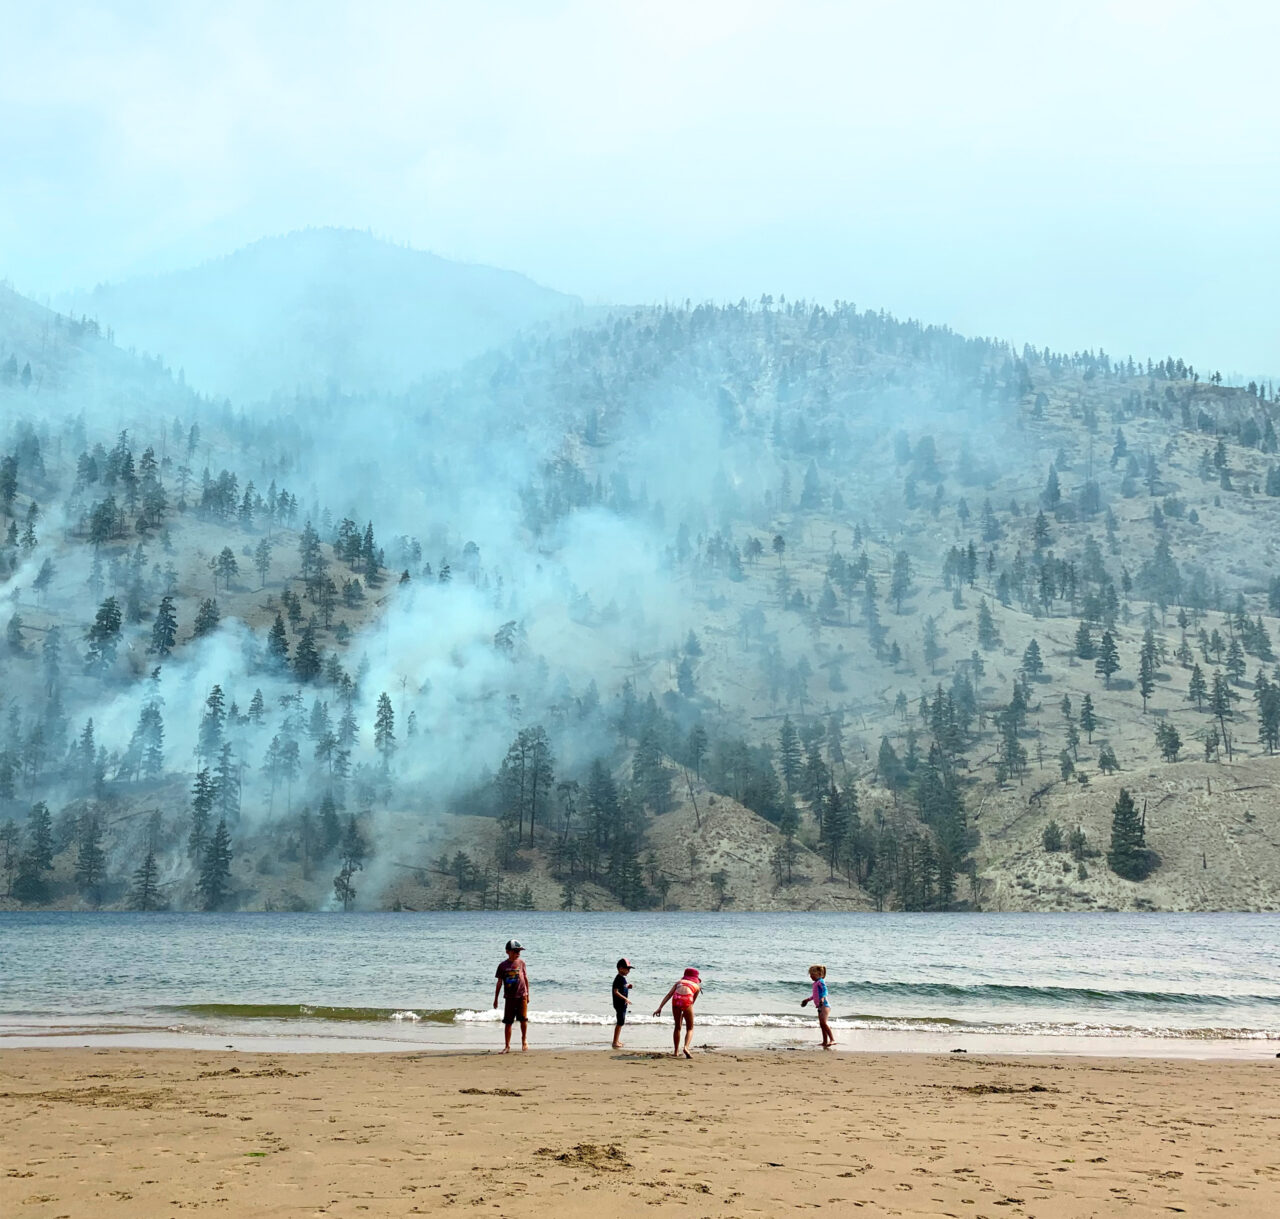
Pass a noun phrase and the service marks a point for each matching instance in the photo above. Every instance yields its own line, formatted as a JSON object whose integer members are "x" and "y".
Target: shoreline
{"x": 484, "y": 1038}
{"x": 126, "y": 1132}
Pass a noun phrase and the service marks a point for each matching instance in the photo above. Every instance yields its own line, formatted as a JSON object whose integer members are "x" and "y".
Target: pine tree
{"x": 1197, "y": 688}
{"x": 203, "y": 794}
{"x": 900, "y": 580}
{"x": 1168, "y": 741}
{"x": 684, "y": 677}
{"x": 262, "y": 560}
{"x": 1032, "y": 661}
{"x": 104, "y": 636}
{"x": 91, "y": 860}
{"x": 278, "y": 645}
{"x": 988, "y": 636}
{"x": 214, "y": 882}
{"x": 1221, "y": 697}
{"x": 384, "y": 730}
{"x": 40, "y": 833}
{"x": 1127, "y": 855}
{"x": 353, "y": 854}
{"x": 789, "y": 754}
{"x": 145, "y": 893}
{"x": 1088, "y": 719}
{"x": 1084, "y": 642}
{"x": 206, "y": 620}
{"x": 209, "y": 738}
{"x": 1147, "y": 668}
{"x": 1235, "y": 662}
{"x": 1108, "y": 661}
{"x": 835, "y": 826}
{"x": 164, "y": 631}
{"x": 306, "y": 658}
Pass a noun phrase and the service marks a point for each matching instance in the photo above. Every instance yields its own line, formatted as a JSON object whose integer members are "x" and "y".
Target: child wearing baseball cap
{"x": 621, "y": 989}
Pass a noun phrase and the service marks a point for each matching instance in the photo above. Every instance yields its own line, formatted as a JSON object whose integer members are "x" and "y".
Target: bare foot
{"x": 505, "y": 1050}
{"x": 687, "y": 1054}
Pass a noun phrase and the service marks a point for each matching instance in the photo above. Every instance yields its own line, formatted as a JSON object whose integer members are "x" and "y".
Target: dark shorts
{"x": 515, "y": 1008}
{"x": 620, "y": 1013}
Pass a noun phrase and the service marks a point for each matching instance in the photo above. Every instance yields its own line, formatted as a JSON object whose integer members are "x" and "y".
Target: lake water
{"x": 1197, "y": 985}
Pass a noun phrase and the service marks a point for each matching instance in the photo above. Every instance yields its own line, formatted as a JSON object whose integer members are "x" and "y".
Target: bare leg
{"x": 524, "y": 1034}
{"x": 506, "y": 1039}
{"x": 675, "y": 1040}
{"x": 688, "y": 1032}
{"x": 617, "y": 1036}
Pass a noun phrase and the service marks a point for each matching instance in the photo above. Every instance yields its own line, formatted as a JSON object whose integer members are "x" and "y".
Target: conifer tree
{"x": 203, "y": 794}
{"x": 104, "y": 636}
{"x": 789, "y": 755}
{"x": 145, "y": 893}
{"x": 206, "y": 619}
{"x": 353, "y": 854}
{"x": 1088, "y": 719}
{"x": 91, "y": 859}
{"x": 1108, "y": 662}
{"x": 164, "y": 631}
{"x": 1084, "y": 642}
{"x": 1127, "y": 856}
{"x": 1032, "y": 661}
{"x": 278, "y": 645}
{"x": 835, "y": 826}
{"x": 214, "y": 881}
{"x": 1221, "y": 697}
{"x": 1197, "y": 688}
{"x": 307, "y": 661}
{"x": 988, "y": 636}
{"x": 262, "y": 560}
{"x": 384, "y": 730}
{"x": 40, "y": 836}
{"x": 1147, "y": 668}
{"x": 1168, "y": 741}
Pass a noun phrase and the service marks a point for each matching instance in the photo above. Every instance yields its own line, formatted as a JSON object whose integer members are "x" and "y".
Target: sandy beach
{"x": 159, "y": 1132}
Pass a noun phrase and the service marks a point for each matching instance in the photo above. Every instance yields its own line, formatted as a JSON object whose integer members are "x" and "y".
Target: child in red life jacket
{"x": 683, "y": 995}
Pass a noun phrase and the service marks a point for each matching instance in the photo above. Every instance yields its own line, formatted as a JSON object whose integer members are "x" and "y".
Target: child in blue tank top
{"x": 818, "y": 997}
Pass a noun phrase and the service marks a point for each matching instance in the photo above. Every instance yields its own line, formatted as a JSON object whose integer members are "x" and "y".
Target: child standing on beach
{"x": 683, "y": 995}
{"x": 621, "y": 989}
{"x": 818, "y": 973}
{"x": 513, "y": 985}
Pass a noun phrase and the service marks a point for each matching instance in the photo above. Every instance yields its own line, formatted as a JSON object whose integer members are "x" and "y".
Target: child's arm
{"x": 497, "y": 990}
{"x": 663, "y": 1004}
{"x": 617, "y": 994}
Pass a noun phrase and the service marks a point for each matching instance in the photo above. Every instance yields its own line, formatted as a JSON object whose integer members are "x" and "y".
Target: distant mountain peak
{"x": 320, "y": 308}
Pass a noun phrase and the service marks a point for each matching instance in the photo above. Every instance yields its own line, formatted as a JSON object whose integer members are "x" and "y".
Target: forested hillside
{"x": 771, "y": 605}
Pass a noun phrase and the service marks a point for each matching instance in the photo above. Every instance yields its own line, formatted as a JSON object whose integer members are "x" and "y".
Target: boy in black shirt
{"x": 621, "y": 989}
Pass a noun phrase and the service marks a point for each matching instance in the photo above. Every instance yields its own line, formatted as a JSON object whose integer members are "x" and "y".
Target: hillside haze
{"x": 317, "y": 310}
{"x": 774, "y": 605}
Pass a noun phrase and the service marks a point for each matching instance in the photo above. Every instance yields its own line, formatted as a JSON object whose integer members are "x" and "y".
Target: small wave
{"x": 1000, "y": 992}
{"x": 905, "y": 1024}
{"x": 314, "y": 1011}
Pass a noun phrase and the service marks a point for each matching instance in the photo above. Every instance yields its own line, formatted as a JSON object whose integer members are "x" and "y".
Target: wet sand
{"x": 127, "y": 1132}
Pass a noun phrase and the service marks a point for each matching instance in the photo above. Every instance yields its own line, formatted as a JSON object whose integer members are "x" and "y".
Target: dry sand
{"x": 151, "y": 1133}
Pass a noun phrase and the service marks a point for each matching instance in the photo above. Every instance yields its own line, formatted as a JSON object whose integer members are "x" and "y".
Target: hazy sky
{"x": 1102, "y": 172}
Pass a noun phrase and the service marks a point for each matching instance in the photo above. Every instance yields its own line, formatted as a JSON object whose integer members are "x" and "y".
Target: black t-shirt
{"x": 623, "y": 987}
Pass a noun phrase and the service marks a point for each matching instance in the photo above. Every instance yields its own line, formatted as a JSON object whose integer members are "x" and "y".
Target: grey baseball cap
{"x": 514, "y": 946}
